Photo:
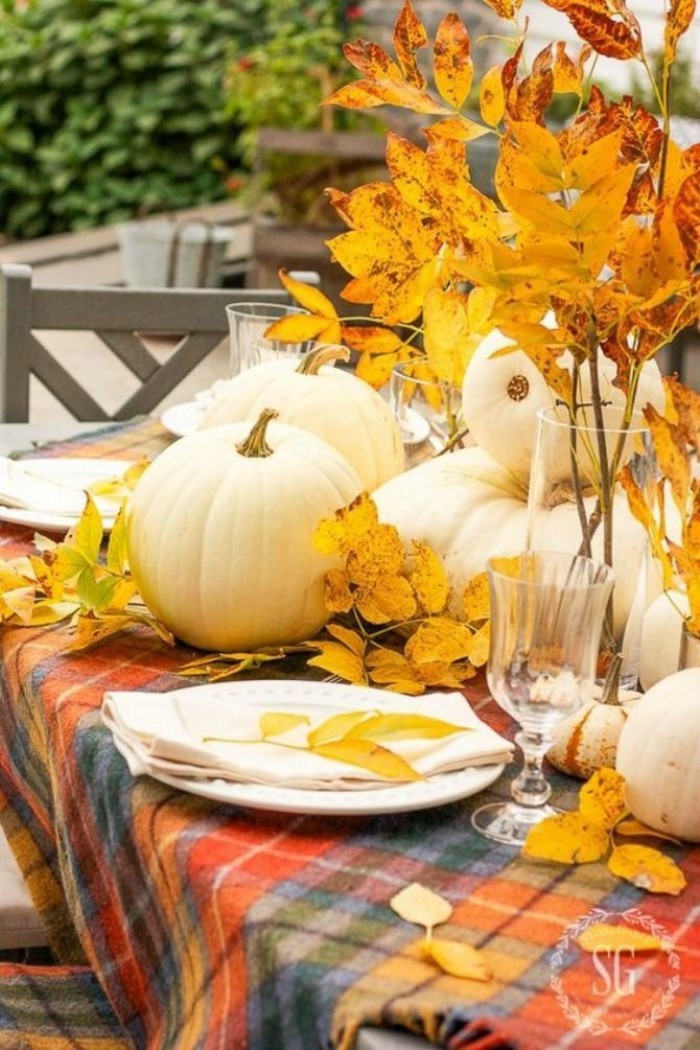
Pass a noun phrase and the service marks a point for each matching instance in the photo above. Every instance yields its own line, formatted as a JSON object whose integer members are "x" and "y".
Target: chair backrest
{"x": 120, "y": 318}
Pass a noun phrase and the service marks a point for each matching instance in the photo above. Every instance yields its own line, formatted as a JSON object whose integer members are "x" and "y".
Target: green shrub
{"x": 109, "y": 108}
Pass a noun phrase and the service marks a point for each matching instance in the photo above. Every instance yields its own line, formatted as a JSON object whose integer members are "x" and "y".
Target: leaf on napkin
{"x": 648, "y": 869}
{"x": 605, "y": 937}
{"x": 402, "y": 726}
{"x": 274, "y": 723}
{"x": 568, "y": 838}
{"x": 121, "y": 485}
{"x": 457, "y": 959}
{"x": 336, "y": 727}
{"x": 421, "y": 905}
{"x": 368, "y": 755}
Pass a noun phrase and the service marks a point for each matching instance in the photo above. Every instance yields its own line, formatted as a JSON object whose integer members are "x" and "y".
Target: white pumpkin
{"x": 662, "y": 629}
{"x": 501, "y": 397}
{"x": 220, "y": 530}
{"x": 587, "y": 740}
{"x": 659, "y": 756}
{"x": 335, "y": 405}
{"x": 469, "y": 508}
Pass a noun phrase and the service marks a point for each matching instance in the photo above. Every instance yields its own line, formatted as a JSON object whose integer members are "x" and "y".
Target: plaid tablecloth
{"x": 212, "y": 926}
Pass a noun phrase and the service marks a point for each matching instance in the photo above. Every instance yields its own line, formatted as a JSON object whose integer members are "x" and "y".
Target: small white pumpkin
{"x": 469, "y": 509}
{"x": 501, "y": 397}
{"x": 658, "y": 754}
{"x": 662, "y": 628}
{"x": 219, "y": 534}
{"x": 587, "y": 740}
{"x": 335, "y": 405}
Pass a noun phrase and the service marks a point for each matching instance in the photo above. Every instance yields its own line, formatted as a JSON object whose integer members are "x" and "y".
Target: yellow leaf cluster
{"x": 588, "y": 834}
{"x": 390, "y": 625}
{"x": 674, "y": 531}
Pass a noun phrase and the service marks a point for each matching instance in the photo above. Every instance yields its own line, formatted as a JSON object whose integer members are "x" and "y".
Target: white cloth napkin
{"x": 29, "y": 485}
{"x": 165, "y": 732}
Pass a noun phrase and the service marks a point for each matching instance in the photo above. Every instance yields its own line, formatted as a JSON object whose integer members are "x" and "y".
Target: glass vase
{"x": 576, "y": 503}
{"x": 428, "y": 412}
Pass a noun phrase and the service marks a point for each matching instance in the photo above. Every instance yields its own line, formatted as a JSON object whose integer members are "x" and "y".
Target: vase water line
{"x": 576, "y": 503}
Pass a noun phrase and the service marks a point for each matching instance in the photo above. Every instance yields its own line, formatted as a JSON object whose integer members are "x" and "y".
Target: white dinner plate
{"x": 181, "y": 420}
{"x": 399, "y": 798}
{"x": 75, "y": 474}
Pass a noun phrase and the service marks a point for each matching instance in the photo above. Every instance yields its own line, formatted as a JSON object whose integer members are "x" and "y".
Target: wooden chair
{"x": 121, "y": 318}
{"x": 20, "y": 925}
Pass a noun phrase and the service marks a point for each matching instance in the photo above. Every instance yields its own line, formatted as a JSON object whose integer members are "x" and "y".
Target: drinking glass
{"x": 547, "y": 611}
{"x": 428, "y": 411}
{"x": 247, "y": 323}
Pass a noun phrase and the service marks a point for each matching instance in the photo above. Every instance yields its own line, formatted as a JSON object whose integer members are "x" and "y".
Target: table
{"x": 213, "y": 926}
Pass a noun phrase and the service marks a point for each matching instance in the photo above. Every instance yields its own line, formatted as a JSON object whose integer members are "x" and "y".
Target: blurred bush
{"x": 112, "y": 108}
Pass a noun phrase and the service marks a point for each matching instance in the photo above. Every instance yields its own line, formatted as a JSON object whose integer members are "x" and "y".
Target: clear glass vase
{"x": 428, "y": 412}
{"x": 576, "y": 503}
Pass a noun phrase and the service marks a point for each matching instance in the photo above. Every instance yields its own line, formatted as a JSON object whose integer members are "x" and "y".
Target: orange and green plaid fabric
{"x": 214, "y": 926}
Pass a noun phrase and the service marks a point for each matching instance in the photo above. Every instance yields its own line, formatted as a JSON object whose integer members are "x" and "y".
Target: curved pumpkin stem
{"x": 311, "y": 362}
{"x": 254, "y": 446}
{"x": 611, "y": 685}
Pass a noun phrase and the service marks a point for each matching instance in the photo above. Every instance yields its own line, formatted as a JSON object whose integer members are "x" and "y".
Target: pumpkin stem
{"x": 611, "y": 685}
{"x": 255, "y": 446}
{"x": 321, "y": 355}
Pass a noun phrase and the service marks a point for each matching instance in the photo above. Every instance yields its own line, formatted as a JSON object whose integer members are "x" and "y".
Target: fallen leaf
{"x": 568, "y": 838}
{"x": 648, "y": 869}
{"x": 457, "y": 959}
{"x": 421, "y": 905}
{"x": 605, "y": 937}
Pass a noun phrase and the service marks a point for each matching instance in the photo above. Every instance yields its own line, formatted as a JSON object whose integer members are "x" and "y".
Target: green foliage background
{"x": 109, "y": 108}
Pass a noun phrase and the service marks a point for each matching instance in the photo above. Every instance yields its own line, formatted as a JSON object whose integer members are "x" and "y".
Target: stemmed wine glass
{"x": 547, "y": 611}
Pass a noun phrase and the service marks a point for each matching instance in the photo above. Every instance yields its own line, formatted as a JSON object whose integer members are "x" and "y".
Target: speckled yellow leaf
{"x": 648, "y": 869}
{"x": 389, "y": 598}
{"x": 634, "y": 828}
{"x": 602, "y": 798}
{"x": 392, "y": 669}
{"x": 480, "y": 645}
{"x": 344, "y": 531}
{"x": 421, "y": 905}
{"x": 439, "y": 639}
{"x": 308, "y": 296}
{"x": 354, "y": 641}
{"x": 274, "y": 723}
{"x": 457, "y": 959}
{"x": 477, "y": 603}
{"x": 446, "y": 325}
{"x": 452, "y": 66}
{"x": 337, "y": 595}
{"x": 86, "y": 535}
{"x": 605, "y": 937}
{"x": 429, "y": 578}
{"x": 567, "y": 838}
{"x": 492, "y": 97}
{"x": 379, "y": 553}
{"x": 19, "y": 602}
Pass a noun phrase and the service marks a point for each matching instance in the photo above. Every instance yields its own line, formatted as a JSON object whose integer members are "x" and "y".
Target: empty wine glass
{"x": 247, "y": 324}
{"x": 547, "y": 611}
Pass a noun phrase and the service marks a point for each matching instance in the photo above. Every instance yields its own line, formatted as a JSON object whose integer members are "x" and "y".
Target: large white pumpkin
{"x": 469, "y": 508}
{"x": 335, "y": 405}
{"x": 658, "y": 754}
{"x": 501, "y": 397}
{"x": 220, "y": 534}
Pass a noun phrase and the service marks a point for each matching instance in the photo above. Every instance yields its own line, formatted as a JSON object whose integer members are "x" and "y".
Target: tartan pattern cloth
{"x": 215, "y": 926}
{"x": 56, "y": 1008}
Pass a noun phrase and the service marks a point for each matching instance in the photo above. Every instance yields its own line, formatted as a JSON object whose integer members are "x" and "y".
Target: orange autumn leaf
{"x": 492, "y": 97}
{"x": 610, "y": 29}
{"x": 452, "y": 64}
{"x": 680, "y": 17}
{"x": 505, "y": 8}
{"x": 409, "y": 37}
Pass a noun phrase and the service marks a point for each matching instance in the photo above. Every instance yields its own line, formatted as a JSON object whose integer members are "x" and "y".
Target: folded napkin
{"x": 167, "y": 733}
{"x": 53, "y": 486}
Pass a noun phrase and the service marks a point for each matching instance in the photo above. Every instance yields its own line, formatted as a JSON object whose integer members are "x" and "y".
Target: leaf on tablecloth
{"x": 605, "y": 937}
{"x": 568, "y": 838}
{"x": 421, "y": 905}
{"x": 635, "y": 829}
{"x": 602, "y": 798}
{"x": 457, "y": 959}
{"x": 648, "y": 869}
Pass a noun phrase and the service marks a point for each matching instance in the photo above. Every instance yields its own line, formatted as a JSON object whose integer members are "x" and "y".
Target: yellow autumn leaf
{"x": 368, "y": 755}
{"x": 439, "y": 639}
{"x": 47, "y": 612}
{"x": 457, "y": 959}
{"x": 117, "y": 560}
{"x": 420, "y": 905}
{"x": 648, "y": 869}
{"x": 445, "y": 327}
{"x": 275, "y": 723}
{"x": 389, "y": 668}
{"x": 337, "y": 594}
{"x": 632, "y": 828}
{"x": 606, "y": 937}
{"x": 346, "y": 530}
{"x": 386, "y": 598}
{"x": 480, "y": 646}
{"x": 381, "y": 553}
{"x": 19, "y": 603}
{"x": 429, "y": 577}
{"x": 568, "y": 838}
{"x": 337, "y": 659}
{"x": 354, "y": 641}
{"x": 336, "y": 727}
{"x": 85, "y": 537}
{"x": 401, "y": 726}
{"x": 602, "y": 798}
{"x": 492, "y": 97}
{"x": 308, "y": 296}
{"x": 452, "y": 65}
{"x": 477, "y": 601}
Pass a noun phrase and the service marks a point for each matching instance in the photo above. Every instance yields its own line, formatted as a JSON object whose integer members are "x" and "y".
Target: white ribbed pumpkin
{"x": 469, "y": 508}
{"x": 220, "y": 534}
{"x": 501, "y": 397}
{"x": 658, "y": 754}
{"x": 662, "y": 629}
{"x": 337, "y": 406}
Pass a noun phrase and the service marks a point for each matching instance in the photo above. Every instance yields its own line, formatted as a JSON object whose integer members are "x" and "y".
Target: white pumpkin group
{"x": 220, "y": 533}
{"x": 658, "y": 754}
